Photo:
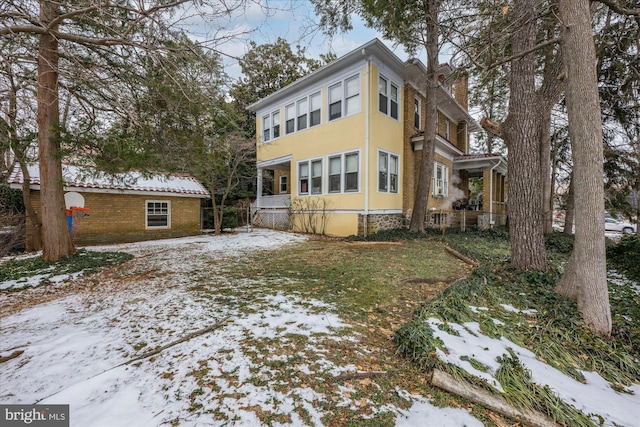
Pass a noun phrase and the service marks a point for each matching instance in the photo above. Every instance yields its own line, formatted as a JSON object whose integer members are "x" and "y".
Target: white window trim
{"x": 390, "y": 83}
{"x": 445, "y": 181}
{"x": 310, "y": 177}
{"x": 343, "y": 99}
{"x": 271, "y": 126}
{"x": 417, "y": 98}
{"x": 286, "y": 178}
{"x": 343, "y": 172}
{"x": 146, "y": 215}
{"x": 398, "y": 175}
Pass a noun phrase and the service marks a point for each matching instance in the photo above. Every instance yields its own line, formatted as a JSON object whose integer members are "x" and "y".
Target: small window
{"x": 315, "y": 102}
{"x": 275, "y": 122}
{"x": 283, "y": 184}
{"x": 417, "y": 112}
{"x": 158, "y": 214}
{"x": 316, "y": 177}
{"x": 352, "y": 95}
{"x": 447, "y": 129}
{"x": 440, "y": 181}
{"x": 335, "y": 101}
{"x": 302, "y": 114}
{"x": 394, "y": 101}
{"x": 383, "y": 171}
{"x": 290, "y": 117}
{"x": 388, "y": 165}
{"x": 335, "y": 173}
{"x": 303, "y": 177}
{"x": 266, "y": 128}
{"x": 382, "y": 89}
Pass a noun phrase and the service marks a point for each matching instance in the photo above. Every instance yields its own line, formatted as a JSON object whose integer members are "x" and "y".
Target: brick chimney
{"x": 461, "y": 91}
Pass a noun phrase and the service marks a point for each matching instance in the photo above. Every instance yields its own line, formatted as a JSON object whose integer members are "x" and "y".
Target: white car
{"x": 611, "y": 224}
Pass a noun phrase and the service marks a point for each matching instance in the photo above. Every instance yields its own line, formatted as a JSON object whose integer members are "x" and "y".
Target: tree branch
{"x": 613, "y": 5}
{"x": 524, "y": 53}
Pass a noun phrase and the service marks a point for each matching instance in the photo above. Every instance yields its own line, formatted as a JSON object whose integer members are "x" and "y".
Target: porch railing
{"x": 272, "y": 202}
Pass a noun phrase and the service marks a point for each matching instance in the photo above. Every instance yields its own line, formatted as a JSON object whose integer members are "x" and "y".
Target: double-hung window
{"x": 388, "y": 97}
{"x": 417, "y": 113}
{"x": 310, "y": 177}
{"x": 315, "y": 105}
{"x": 290, "y": 118}
{"x": 303, "y": 109}
{"x": 158, "y": 214}
{"x": 275, "y": 123}
{"x": 343, "y": 173}
{"x": 447, "y": 129}
{"x": 352, "y": 95}
{"x": 440, "y": 181}
{"x": 271, "y": 126}
{"x": 344, "y": 98}
{"x": 266, "y": 128}
{"x": 335, "y": 101}
{"x": 283, "y": 184}
{"x": 387, "y": 172}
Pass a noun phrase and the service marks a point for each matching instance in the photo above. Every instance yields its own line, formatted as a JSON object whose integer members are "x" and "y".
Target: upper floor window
{"x": 315, "y": 103}
{"x": 343, "y": 172}
{"x": 447, "y": 129}
{"x": 271, "y": 126}
{"x": 440, "y": 181}
{"x": 387, "y": 172}
{"x": 417, "y": 113}
{"x": 303, "y": 114}
{"x": 388, "y": 97}
{"x": 290, "y": 118}
{"x": 344, "y": 98}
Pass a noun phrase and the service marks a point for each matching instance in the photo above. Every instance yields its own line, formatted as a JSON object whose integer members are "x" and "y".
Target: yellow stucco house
{"x": 338, "y": 151}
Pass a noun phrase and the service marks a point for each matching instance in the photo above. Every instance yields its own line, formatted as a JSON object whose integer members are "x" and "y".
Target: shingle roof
{"x": 477, "y": 156}
{"x": 80, "y": 178}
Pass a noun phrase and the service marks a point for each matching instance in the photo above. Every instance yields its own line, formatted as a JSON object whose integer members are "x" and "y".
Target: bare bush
{"x": 309, "y": 215}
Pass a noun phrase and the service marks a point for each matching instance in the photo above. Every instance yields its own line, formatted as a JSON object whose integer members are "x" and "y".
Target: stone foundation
{"x": 379, "y": 222}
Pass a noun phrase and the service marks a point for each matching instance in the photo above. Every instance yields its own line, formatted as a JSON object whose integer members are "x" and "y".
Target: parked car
{"x": 612, "y": 224}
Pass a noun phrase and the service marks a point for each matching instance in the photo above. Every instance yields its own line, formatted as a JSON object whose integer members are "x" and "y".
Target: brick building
{"x": 124, "y": 207}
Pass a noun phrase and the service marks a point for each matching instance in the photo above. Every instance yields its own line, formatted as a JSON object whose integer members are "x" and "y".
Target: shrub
{"x": 625, "y": 255}
{"x": 230, "y": 217}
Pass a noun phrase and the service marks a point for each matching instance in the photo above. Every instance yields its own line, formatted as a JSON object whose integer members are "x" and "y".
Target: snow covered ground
{"x": 261, "y": 356}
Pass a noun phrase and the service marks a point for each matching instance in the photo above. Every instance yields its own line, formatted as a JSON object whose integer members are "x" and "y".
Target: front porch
{"x": 273, "y": 196}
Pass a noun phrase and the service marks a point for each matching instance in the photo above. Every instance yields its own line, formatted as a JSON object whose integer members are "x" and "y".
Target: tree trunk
{"x": 56, "y": 238}
{"x": 520, "y": 131}
{"x": 587, "y": 269}
{"x": 568, "y": 216}
{"x": 545, "y": 171}
{"x": 431, "y": 122}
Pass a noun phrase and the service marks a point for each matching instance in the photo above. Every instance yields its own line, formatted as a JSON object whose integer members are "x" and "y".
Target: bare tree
{"x": 83, "y": 31}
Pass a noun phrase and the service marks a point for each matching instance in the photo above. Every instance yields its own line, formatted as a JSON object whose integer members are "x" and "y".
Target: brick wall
{"x": 114, "y": 218}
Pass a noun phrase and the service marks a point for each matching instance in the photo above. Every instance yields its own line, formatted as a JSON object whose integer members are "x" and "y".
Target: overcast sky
{"x": 293, "y": 20}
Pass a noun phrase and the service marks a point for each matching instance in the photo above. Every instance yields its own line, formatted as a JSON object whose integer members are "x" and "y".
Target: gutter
{"x": 365, "y": 219}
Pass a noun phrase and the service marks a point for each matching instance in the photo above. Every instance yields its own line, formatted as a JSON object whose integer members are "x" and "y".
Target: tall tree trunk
{"x": 520, "y": 131}
{"x": 431, "y": 122}
{"x": 56, "y": 238}
{"x": 545, "y": 171}
{"x": 568, "y": 216}
{"x": 587, "y": 269}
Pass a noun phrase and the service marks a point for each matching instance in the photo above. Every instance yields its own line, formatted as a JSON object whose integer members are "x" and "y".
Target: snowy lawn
{"x": 261, "y": 352}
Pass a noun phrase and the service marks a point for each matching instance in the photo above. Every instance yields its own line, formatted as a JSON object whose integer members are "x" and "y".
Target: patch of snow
{"x": 422, "y": 410}
{"x": 512, "y": 309}
{"x": 594, "y": 397}
{"x": 478, "y": 309}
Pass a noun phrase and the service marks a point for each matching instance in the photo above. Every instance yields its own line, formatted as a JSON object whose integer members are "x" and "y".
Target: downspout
{"x": 365, "y": 219}
{"x": 491, "y": 221}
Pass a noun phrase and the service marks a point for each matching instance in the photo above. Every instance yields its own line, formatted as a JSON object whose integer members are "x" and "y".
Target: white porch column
{"x": 259, "y": 189}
